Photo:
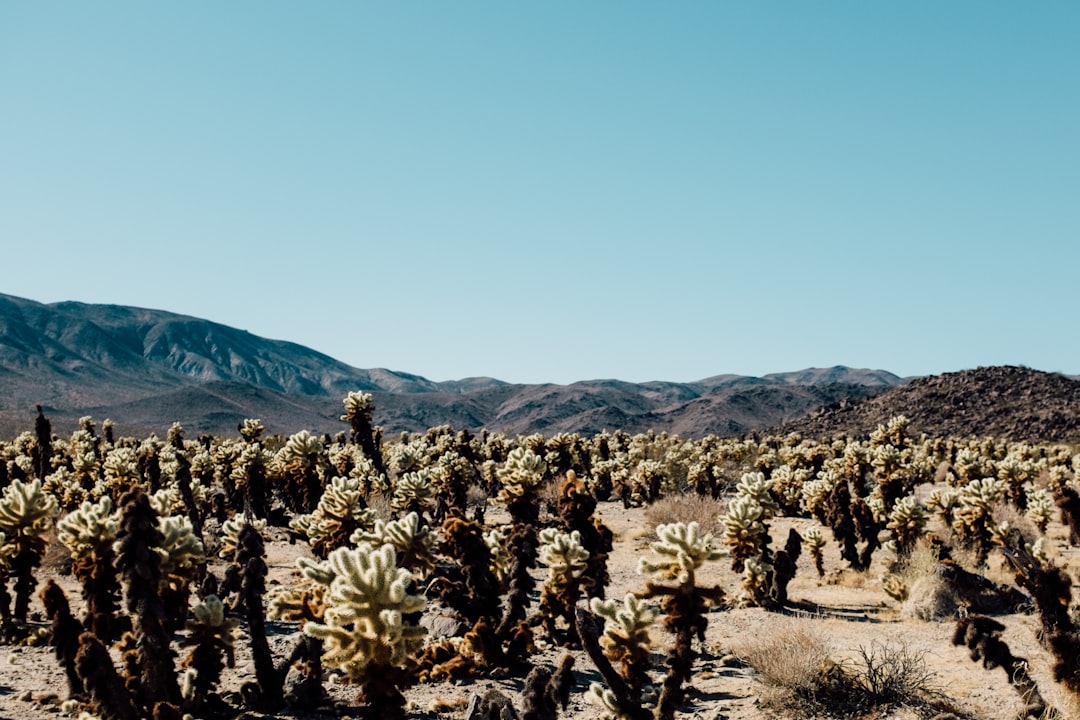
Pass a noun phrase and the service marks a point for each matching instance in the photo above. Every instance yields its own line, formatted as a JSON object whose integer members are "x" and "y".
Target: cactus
{"x": 974, "y": 513}
{"x": 814, "y": 542}
{"x": 756, "y": 573}
{"x": 364, "y": 629}
{"x": 521, "y": 477}
{"x": 359, "y": 407}
{"x": 63, "y": 634}
{"x": 1040, "y": 508}
{"x": 744, "y": 532}
{"x": 341, "y": 511}
{"x": 211, "y": 637}
{"x": 907, "y": 521}
{"x": 182, "y": 556}
{"x": 26, "y": 513}
{"x": 576, "y": 508}
{"x": 626, "y": 639}
{"x": 683, "y": 549}
{"x": 413, "y": 493}
{"x": 567, "y": 561}
{"x": 140, "y": 567}
{"x": 301, "y": 462}
{"x": 89, "y": 533}
{"x": 412, "y": 541}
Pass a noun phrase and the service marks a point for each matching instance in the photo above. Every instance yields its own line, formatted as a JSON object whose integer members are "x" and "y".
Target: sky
{"x": 558, "y": 191}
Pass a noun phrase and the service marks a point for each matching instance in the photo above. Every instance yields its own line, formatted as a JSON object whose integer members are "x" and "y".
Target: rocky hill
{"x": 146, "y": 369}
{"x": 1010, "y": 402}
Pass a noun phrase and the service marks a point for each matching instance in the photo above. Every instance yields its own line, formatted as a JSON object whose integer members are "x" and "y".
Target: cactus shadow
{"x": 809, "y": 609}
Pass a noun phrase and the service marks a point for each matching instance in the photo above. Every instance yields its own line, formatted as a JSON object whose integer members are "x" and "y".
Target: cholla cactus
{"x": 520, "y": 476}
{"x": 564, "y": 555}
{"x": 340, "y": 513}
{"x": 301, "y": 462}
{"x": 907, "y": 520}
{"x": 787, "y": 485}
{"x": 90, "y": 527}
{"x": 744, "y": 532}
{"x": 944, "y": 503}
{"x": 121, "y": 471}
{"x": 626, "y": 639}
{"x": 412, "y": 541}
{"x": 975, "y": 510}
{"x": 211, "y": 637}
{"x": 167, "y": 501}
{"x": 364, "y": 629}
{"x": 251, "y": 429}
{"x": 408, "y": 457}
{"x": 895, "y": 587}
{"x": 814, "y": 543}
{"x": 815, "y": 493}
{"x": 413, "y": 493}
{"x": 684, "y": 550}
{"x": 502, "y": 562}
{"x": 89, "y": 533}
{"x": 230, "y": 534}
{"x": 359, "y": 409}
{"x": 26, "y": 513}
{"x": 755, "y": 582}
{"x": 755, "y": 487}
{"x": 1040, "y": 508}
{"x": 181, "y": 554}
{"x": 567, "y": 561}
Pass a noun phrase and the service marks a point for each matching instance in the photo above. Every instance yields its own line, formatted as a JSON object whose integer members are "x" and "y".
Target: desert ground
{"x": 847, "y": 611}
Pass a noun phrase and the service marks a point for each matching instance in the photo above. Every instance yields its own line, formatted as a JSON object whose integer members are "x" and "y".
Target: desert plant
{"x": 973, "y": 517}
{"x": 359, "y": 407}
{"x": 63, "y": 634}
{"x": 982, "y": 636}
{"x": 266, "y": 692}
{"x": 139, "y": 566}
{"x": 211, "y": 636}
{"x": 906, "y": 521}
{"x": 26, "y": 514}
{"x": 567, "y": 562}
{"x": 814, "y": 543}
{"x": 411, "y": 539}
{"x": 364, "y": 625}
{"x": 89, "y": 533}
{"x": 682, "y": 549}
{"x": 341, "y": 511}
{"x": 626, "y": 640}
{"x": 576, "y": 508}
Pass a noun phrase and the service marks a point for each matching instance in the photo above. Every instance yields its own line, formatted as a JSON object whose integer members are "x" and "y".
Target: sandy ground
{"x": 853, "y": 612}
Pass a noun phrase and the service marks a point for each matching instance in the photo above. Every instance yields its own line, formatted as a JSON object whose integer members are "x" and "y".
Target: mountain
{"x": 146, "y": 369}
{"x": 1011, "y": 402}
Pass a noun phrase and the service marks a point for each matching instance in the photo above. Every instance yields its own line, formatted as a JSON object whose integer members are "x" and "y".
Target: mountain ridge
{"x": 146, "y": 368}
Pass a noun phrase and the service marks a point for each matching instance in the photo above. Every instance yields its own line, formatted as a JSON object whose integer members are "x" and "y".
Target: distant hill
{"x": 1009, "y": 402}
{"x": 146, "y": 369}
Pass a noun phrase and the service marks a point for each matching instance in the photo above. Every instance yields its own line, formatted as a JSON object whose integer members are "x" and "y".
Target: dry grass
{"x": 789, "y": 655}
{"x": 691, "y": 507}
{"x": 801, "y": 680}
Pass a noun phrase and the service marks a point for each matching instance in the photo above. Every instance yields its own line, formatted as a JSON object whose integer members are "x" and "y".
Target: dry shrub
{"x": 802, "y": 680}
{"x": 476, "y": 496}
{"x": 380, "y": 504}
{"x": 893, "y": 674}
{"x": 789, "y": 655}
{"x": 932, "y": 599}
{"x": 704, "y": 510}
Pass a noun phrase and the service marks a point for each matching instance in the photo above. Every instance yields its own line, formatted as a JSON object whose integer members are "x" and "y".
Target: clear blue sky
{"x": 559, "y": 191}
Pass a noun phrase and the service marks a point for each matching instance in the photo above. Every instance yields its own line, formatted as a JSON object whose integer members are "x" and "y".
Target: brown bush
{"x": 705, "y": 511}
